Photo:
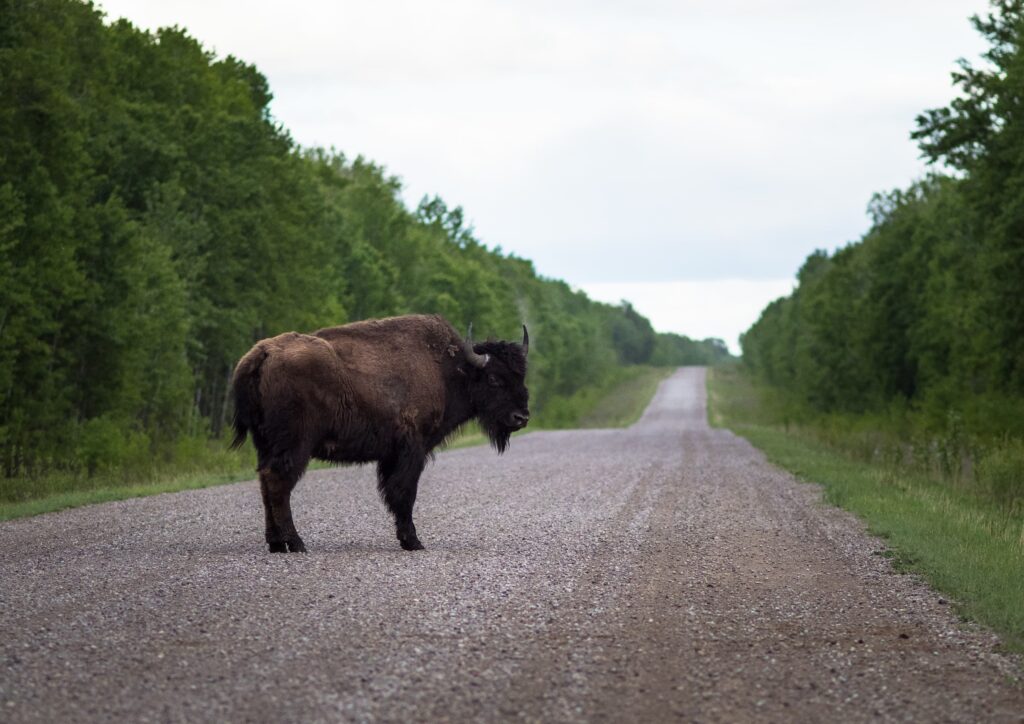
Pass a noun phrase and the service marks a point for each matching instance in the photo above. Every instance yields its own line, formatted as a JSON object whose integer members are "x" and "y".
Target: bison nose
{"x": 519, "y": 419}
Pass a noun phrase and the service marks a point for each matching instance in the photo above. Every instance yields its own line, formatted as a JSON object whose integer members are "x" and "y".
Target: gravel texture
{"x": 664, "y": 572}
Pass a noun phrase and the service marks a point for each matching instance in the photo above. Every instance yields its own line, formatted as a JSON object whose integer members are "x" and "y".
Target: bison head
{"x": 497, "y": 372}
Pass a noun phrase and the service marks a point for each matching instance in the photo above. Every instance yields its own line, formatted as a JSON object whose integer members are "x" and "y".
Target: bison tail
{"x": 246, "y": 388}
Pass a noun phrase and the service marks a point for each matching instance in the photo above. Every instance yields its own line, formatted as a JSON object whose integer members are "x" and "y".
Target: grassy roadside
{"x": 625, "y": 402}
{"x": 967, "y": 547}
{"x": 106, "y": 493}
{"x": 618, "y": 405}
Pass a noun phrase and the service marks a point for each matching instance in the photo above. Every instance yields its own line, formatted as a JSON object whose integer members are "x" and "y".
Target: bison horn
{"x": 526, "y": 341}
{"x": 477, "y": 360}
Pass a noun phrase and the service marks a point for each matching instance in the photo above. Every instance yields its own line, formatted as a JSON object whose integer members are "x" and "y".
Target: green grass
{"x": 193, "y": 463}
{"x": 626, "y": 401}
{"x": 617, "y": 402}
{"x": 102, "y": 494}
{"x": 967, "y": 546}
{"x": 203, "y": 463}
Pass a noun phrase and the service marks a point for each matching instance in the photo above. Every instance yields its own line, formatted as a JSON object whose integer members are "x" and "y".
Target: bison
{"x": 387, "y": 391}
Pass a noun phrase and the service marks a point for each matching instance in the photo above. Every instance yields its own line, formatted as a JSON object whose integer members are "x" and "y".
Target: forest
{"x": 156, "y": 220}
{"x": 917, "y": 329}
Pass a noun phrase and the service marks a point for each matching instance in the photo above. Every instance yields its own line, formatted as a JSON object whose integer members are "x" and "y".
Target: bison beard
{"x": 498, "y": 435}
{"x": 387, "y": 391}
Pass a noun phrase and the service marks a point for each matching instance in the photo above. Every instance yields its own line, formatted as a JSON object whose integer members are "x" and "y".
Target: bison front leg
{"x": 276, "y": 490}
{"x": 398, "y": 477}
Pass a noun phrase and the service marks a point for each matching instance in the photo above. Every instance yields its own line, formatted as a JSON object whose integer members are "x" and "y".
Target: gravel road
{"x": 664, "y": 572}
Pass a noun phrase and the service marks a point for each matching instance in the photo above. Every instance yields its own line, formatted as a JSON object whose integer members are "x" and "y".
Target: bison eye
{"x": 493, "y": 381}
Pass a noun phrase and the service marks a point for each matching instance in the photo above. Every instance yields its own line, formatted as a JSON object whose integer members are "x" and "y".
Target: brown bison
{"x": 387, "y": 391}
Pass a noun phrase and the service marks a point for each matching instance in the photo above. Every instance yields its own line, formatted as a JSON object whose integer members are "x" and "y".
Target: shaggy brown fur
{"x": 386, "y": 391}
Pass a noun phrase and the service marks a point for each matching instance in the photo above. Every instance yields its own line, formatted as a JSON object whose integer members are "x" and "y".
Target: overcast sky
{"x": 687, "y": 155}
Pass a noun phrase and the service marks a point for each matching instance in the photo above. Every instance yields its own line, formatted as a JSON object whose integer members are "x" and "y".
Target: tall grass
{"x": 617, "y": 402}
{"x": 899, "y": 438}
{"x": 191, "y": 462}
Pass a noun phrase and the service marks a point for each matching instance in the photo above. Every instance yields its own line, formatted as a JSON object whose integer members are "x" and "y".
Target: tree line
{"x": 926, "y": 311}
{"x": 155, "y": 221}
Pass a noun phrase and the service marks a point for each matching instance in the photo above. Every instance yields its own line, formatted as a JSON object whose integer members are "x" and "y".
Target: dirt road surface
{"x": 660, "y": 573}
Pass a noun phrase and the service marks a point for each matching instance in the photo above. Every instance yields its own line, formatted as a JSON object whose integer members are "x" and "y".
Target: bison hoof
{"x": 296, "y": 545}
{"x": 411, "y": 544}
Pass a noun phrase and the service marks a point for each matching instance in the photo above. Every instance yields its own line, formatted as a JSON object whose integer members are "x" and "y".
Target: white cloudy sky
{"x": 684, "y": 154}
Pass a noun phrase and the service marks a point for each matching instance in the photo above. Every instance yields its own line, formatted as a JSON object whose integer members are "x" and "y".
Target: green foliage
{"x": 676, "y": 350}
{"x": 1001, "y": 474}
{"x": 155, "y": 222}
{"x": 925, "y": 310}
{"x": 626, "y": 401}
{"x": 897, "y": 438}
{"x": 633, "y": 336}
{"x": 103, "y": 445}
{"x": 619, "y": 401}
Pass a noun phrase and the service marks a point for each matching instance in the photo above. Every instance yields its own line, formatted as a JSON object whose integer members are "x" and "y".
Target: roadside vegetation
{"x": 624, "y": 402}
{"x": 894, "y": 372}
{"x": 967, "y": 542}
{"x": 156, "y": 221}
{"x": 908, "y": 345}
{"x": 619, "y": 402}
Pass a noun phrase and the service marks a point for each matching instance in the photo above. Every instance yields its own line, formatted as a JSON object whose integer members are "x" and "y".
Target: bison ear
{"x": 526, "y": 342}
{"x": 477, "y": 360}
